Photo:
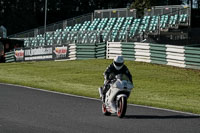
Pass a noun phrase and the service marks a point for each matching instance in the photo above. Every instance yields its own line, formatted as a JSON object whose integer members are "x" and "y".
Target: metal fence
{"x": 107, "y": 13}
{"x": 115, "y": 13}
{"x": 54, "y": 26}
{"x": 152, "y": 23}
{"x": 165, "y": 10}
{"x": 177, "y": 33}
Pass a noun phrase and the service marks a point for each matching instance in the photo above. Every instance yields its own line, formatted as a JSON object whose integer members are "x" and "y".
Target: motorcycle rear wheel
{"x": 104, "y": 110}
{"x": 121, "y": 107}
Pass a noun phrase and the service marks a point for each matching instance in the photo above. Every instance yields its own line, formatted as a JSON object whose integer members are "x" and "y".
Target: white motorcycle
{"x": 116, "y": 97}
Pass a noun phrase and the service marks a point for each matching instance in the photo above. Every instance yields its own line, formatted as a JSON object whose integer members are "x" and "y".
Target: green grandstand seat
{"x": 185, "y": 17}
{"x": 134, "y": 27}
{"x": 153, "y": 23}
{"x": 26, "y": 42}
{"x": 84, "y": 26}
{"x": 182, "y": 18}
{"x": 173, "y": 19}
{"x": 93, "y": 25}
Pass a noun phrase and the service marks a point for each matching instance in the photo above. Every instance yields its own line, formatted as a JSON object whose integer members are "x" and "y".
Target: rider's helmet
{"x": 118, "y": 62}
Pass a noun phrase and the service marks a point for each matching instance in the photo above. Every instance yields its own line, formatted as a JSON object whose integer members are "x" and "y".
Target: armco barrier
{"x": 192, "y": 57}
{"x": 87, "y": 51}
{"x": 128, "y": 51}
{"x": 180, "y": 56}
{"x": 10, "y": 57}
{"x": 113, "y": 49}
{"x": 175, "y": 55}
{"x": 101, "y": 50}
{"x": 142, "y": 52}
{"x": 158, "y": 54}
{"x": 72, "y": 51}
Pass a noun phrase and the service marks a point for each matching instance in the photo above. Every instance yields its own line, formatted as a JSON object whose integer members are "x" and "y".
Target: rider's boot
{"x": 102, "y": 97}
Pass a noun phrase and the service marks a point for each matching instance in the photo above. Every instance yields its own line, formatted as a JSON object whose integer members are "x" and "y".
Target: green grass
{"x": 155, "y": 85}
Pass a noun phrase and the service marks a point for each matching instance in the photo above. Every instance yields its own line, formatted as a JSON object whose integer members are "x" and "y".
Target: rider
{"x": 117, "y": 67}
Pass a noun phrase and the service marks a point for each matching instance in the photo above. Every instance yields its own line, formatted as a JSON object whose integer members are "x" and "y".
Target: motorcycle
{"x": 116, "y": 97}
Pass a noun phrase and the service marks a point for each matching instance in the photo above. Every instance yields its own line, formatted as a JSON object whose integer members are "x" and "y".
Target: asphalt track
{"x": 25, "y": 110}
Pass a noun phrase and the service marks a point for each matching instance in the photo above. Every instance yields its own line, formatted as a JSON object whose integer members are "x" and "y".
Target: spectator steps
{"x": 107, "y": 29}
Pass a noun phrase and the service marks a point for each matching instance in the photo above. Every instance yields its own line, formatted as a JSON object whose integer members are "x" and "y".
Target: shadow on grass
{"x": 161, "y": 117}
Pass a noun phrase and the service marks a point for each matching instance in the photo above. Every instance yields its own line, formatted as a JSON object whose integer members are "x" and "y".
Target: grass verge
{"x": 155, "y": 85}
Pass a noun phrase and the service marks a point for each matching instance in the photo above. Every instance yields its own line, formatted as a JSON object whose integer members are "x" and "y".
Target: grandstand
{"x": 153, "y": 38}
{"x": 117, "y": 26}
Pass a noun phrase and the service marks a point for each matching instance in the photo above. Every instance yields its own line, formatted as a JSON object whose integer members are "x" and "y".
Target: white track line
{"x": 60, "y": 93}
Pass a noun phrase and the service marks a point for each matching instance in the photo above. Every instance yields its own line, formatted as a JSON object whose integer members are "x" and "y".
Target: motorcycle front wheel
{"x": 121, "y": 107}
{"x": 104, "y": 110}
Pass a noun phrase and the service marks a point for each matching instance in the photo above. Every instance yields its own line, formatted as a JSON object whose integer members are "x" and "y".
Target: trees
{"x": 17, "y": 14}
{"x": 140, "y": 5}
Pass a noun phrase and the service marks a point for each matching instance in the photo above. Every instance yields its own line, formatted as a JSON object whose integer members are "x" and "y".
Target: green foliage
{"x": 140, "y": 5}
{"x": 155, "y": 85}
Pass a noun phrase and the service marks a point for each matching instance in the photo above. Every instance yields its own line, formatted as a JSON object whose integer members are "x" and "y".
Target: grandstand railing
{"x": 111, "y": 28}
{"x": 115, "y": 13}
{"x": 177, "y": 28}
{"x": 125, "y": 29}
{"x": 54, "y": 26}
{"x": 107, "y": 13}
{"x": 168, "y": 9}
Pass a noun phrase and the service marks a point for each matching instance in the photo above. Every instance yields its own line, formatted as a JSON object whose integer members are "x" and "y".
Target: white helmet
{"x": 118, "y": 62}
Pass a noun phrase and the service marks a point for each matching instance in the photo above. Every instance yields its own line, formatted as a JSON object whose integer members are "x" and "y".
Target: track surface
{"x": 24, "y": 110}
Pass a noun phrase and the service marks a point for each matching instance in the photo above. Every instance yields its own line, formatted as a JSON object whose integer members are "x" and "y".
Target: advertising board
{"x": 40, "y": 53}
{"x": 19, "y": 55}
{"x": 60, "y": 52}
